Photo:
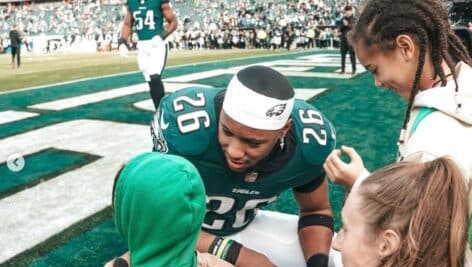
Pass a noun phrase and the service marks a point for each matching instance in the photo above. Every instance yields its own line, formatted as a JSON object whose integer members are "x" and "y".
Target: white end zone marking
{"x": 31, "y": 216}
{"x": 12, "y": 115}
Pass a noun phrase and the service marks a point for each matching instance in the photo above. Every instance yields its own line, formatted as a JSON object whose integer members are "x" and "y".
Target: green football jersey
{"x": 186, "y": 124}
{"x": 147, "y": 17}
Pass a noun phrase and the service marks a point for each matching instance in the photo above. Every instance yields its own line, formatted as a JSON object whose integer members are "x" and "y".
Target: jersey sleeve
{"x": 315, "y": 132}
{"x": 312, "y": 185}
{"x": 184, "y": 122}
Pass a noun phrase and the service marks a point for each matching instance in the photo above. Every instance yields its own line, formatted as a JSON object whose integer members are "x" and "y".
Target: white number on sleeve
{"x": 191, "y": 121}
{"x": 312, "y": 116}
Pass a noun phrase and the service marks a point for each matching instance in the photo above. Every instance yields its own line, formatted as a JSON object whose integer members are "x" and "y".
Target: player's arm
{"x": 127, "y": 27}
{"x": 239, "y": 255}
{"x": 315, "y": 225}
{"x": 171, "y": 19}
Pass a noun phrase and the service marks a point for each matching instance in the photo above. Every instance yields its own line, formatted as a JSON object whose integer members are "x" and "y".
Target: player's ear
{"x": 287, "y": 127}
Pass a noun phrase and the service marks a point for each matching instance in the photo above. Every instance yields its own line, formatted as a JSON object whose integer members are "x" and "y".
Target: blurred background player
{"x": 15, "y": 44}
{"x": 345, "y": 26}
{"x": 147, "y": 17}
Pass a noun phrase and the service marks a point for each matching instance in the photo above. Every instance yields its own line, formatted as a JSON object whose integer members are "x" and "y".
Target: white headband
{"x": 255, "y": 110}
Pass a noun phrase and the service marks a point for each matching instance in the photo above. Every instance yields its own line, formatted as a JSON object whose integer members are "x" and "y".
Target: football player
{"x": 147, "y": 18}
{"x": 250, "y": 142}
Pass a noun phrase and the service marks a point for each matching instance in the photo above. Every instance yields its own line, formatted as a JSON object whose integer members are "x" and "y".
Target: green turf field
{"x": 38, "y": 70}
{"x": 61, "y": 139}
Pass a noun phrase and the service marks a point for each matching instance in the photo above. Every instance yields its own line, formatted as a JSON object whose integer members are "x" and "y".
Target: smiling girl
{"x": 410, "y": 47}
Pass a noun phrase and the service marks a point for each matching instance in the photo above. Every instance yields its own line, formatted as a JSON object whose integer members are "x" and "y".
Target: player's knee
{"x": 155, "y": 77}
{"x": 156, "y": 89}
{"x": 156, "y": 85}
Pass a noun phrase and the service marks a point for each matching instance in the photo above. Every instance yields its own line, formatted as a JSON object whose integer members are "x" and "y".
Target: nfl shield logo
{"x": 251, "y": 177}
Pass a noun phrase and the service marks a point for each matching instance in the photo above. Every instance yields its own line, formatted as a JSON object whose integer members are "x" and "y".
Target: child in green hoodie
{"x": 159, "y": 211}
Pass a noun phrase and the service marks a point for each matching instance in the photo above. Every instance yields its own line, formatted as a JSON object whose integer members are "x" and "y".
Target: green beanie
{"x": 159, "y": 203}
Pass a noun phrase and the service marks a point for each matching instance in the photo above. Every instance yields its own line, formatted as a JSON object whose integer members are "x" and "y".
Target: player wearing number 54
{"x": 251, "y": 141}
{"x": 147, "y": 18}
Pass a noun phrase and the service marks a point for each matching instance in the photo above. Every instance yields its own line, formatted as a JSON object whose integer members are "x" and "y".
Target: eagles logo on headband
{"x": 276, "y": 110}
{"x": 259, "y": 97}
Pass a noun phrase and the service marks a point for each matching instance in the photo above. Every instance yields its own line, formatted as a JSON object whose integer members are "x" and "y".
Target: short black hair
{"x": 266, "y": 81}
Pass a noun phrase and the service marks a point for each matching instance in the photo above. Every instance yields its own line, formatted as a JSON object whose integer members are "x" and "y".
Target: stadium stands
{"x": 231, "y": 24}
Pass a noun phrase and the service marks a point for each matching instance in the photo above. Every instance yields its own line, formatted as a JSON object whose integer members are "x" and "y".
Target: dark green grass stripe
{"x": 26, "y": 98}
{"x": 84, "y": 250}
{"x": 324, "y": 69}
{"x": 57, "y": 161}
{"x": 188, "y": 69}
{"x": 72, "y": 257}
{"x": 296, "y": 82}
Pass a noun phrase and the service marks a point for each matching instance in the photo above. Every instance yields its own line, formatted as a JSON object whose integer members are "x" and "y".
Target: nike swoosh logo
{"x": 164, "y": 125}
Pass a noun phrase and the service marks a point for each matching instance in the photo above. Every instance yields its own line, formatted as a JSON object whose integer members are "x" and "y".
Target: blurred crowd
{"x": 203, "y": 24}
{"x": 64, "y": 18}
{"x": 256, "y": 24}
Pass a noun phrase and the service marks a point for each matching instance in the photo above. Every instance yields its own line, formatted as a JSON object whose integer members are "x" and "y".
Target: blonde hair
{"x": 426, "y": 204}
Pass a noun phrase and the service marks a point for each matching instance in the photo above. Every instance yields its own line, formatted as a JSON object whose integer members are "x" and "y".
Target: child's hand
{"x": 341, "y": 172}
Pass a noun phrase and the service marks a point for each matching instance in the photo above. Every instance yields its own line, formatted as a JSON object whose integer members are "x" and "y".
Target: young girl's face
{"x": 358, "y": 246}
{"x": 390, "y": 69}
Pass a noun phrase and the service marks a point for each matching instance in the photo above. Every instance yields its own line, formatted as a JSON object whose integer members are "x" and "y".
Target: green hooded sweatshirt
{"x": 159, "y": 204}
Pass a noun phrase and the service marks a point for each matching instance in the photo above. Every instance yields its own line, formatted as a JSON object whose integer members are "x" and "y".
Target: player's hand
{"x": 125, "y": 257}
{"x": 123, "y": 50}
{"x": 248, "y": 258}
{"x": 341, "y": 172}
{"x": 345, "y": 22}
